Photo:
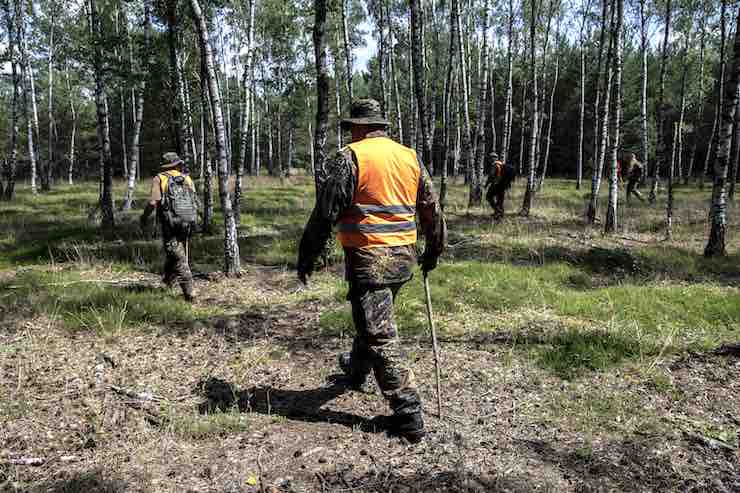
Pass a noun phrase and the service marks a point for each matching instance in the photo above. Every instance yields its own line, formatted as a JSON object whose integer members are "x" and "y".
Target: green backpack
{"x": 179, "y": 207}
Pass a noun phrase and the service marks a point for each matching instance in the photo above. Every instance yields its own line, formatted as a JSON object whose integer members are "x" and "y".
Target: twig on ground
{"x": 40, "y": 461}
{"x": 260, "y": 469}
{"x": 82, "y": 281}
{"x": 142, "y": 396}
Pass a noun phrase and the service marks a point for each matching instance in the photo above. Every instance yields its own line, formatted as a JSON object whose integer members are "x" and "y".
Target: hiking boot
{"x": 407, "y": 426}
{"x": 355, "y": 383}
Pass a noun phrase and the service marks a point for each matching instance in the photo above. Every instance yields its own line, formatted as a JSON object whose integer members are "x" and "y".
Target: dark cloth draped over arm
{"x": 431, "y": 218}
{"x": 336, "y": 188}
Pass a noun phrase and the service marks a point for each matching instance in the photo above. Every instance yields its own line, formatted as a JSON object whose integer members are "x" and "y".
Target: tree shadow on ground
{"x": 622, "y": 465}
{"x": 93, "y": 481}
{"x": 301, "y": 405}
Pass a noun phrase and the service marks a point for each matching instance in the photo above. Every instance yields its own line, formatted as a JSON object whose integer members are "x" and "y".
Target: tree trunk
{"x": 101, "y": 105}
{"x": 644, "y": 44}
{"x": 508, "y": 117}
{"x": 551, "y": 112}
{"x": 682, "y": 110}
{"x": 135, "y": 151}
{"x": 338, "y": 102}
{"x": 534, "y": 122}
{"x": 523, "y": 124}
{"x": 467, "y": 142}
{"x": 582, "y": 106}
{"x": 73, "y": 110}
{"x": 610, "y": 225}
{"x": 347, "y": 51}
{"x": 714, "y": 140}
{"x": 173, "y": 44}
{"x": 246, "y": 115}
{"x": 322, "y": 88}
{"x": 394, "y": 79}
{"x": 660, "y": 110}
{"x": 718, "y": 213}
{"x": 699, "y": 102}
{"x": 231, "y": 246}
{"x": 417, "y": 56}
{"x": 7, "y": 192}
{"x": 447, "y": 104}
{"x": 735, "y": 151}
{"x": 671, "y": 176}
{"x": 50, "y": 106}
{"x": 600, "y": 155}
{"x": 28, "y": 90}
{"x": 380, "y": 17}
{"x": 122, "y": 112}
{"x": 475, "y": 194}
{"x": 597, "y": 87}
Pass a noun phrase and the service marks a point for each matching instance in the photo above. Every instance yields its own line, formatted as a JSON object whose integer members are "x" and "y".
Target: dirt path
{"x": 247, "y": 402}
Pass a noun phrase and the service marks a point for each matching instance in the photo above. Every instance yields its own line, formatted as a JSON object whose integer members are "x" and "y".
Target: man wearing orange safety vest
{"x": 373, "y": 191}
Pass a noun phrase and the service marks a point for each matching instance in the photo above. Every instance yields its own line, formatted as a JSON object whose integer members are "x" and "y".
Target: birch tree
{"x": 534, "y": 120}
{"x": 718, "y": 212}
{"x": 610, "y": 225}
{"x": 232, "y": 264}
{"x": 322, "y": 89}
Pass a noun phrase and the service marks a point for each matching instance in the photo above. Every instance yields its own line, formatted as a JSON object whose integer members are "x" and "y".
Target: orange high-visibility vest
{"x": 383, "y": 211}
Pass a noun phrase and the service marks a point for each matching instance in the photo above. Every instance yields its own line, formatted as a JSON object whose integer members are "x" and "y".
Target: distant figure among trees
{"x": 500, "y": 178}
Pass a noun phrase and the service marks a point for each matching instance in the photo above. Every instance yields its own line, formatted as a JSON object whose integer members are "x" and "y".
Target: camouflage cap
{"x": 170, "y": 160}
{"x": 364, "y": 112}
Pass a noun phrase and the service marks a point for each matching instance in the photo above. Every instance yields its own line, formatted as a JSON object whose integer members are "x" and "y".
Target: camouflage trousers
{"x": 632, "y": 190}
{"x": 496, "y": 197}
{"x": 176, "y": 266}
{"x": 376, "y": 347}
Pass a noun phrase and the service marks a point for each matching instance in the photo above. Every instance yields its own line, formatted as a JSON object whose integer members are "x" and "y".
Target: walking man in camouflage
{"x": 633, "y": 180}
{"x": 174, "y": 198}
{"x": 499, "y": 181}
{"x": 373, "y": 190}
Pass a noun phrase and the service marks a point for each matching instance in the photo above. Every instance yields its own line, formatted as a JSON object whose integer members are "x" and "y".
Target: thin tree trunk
{"x": 671, "y": 175}
{"x": 682, "y": 111}
{"x": 508, "y": 117}
{"x": 417, "y": 56}
{"x": 101, "y": 104}
{"x": 604, "y": 120}
{"x": 246, "y": 115}
{"x": 29, "y": 89}
{"x": 597, "y": 88}
{"x": 322, "y": 88}
{"x": 29, "y": 129}
{"x": 231, "y": 246}
{"x": 699, "y": 102}
{"x": 529, "y": 192}
{"x": 735, "y": 151}
{"x": 714, "y": 139}
{"x": 523, "y": 124}
{"x": 394, "y": 79}
{"x": 582, "y": 106}
{"x": 644, "y": 43}
{"x": 73, "y": 110}
{"x": 135, "y": 150}
{"x": 380, "y": 17}
{"x": 610, "y": 225}
{"x": 7, "y": 192}
{"x": 338, "y": 101}
{"x": 467, "y": 143}
{"x": 475, "y": 195}
{"x": 718, "y": 213}
{"x": 122, "y": 112}
{"x": 173, "y": 43}
{"x": 551, "y": 112}
{"x": 660, "y": 110}
{"x": 347, "y": 51}
{"x": 50, "y": 105}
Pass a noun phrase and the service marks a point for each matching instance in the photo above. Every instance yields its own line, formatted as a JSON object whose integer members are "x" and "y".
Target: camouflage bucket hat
{"x": 364, "y": 112}
{"x": 170, "y": 160}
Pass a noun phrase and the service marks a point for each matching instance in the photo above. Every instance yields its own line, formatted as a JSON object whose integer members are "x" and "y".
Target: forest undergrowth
{"x": 572, "y": 361}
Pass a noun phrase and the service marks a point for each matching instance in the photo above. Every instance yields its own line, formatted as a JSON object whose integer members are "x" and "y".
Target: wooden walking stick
{"x": 430, "y": 316}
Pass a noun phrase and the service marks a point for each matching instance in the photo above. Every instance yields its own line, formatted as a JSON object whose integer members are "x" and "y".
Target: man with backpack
{"x": 499, "y": 181}
{"x": 174, "y": 197}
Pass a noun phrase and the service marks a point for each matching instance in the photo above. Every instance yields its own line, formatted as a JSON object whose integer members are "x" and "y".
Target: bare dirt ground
{"x": 250, "y": 403}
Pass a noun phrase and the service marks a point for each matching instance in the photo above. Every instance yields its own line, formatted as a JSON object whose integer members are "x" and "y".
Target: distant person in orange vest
{"x": 373, "y": 190}
{"x": 500, "y": 177}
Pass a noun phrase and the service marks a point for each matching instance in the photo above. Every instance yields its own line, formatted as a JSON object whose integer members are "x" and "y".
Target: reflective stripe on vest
{"x": 383, "y": 212}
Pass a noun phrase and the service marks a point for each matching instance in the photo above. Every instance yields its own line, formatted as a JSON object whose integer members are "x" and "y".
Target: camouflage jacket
{"x": 376, "y": 266}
